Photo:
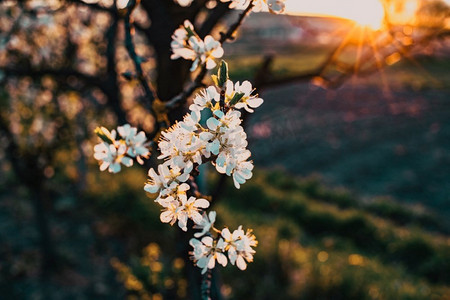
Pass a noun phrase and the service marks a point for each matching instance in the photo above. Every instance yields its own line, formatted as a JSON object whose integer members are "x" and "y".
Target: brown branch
{"x": 63, "y": 72}
{"x": 150, "y": 94}
{"x": 110, "y": 87}
{"x": 213, "y": 18}
{"x": 232, "y": 30}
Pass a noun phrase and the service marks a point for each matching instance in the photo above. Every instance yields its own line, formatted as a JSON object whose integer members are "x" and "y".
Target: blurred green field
{"x": 422, "y": 72}
{"x": 314, "y": 242}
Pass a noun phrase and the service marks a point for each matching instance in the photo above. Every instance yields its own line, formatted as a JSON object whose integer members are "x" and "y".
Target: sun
{"x": 368, "y": 13}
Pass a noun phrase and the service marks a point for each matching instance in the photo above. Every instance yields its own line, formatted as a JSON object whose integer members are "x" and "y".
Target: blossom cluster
{"x": 187, "y": 44}
{"x": 112, "y": 152}
{"x": 190, "y": 143}
{"x": 237, "y": 245}
{"x": 273, "y": 6}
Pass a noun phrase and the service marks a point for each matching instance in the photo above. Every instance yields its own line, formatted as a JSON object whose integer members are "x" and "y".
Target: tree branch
{"x": 63, "y": 72}
{"x": 150, "y": 94}
{"x": 110, "y": 86}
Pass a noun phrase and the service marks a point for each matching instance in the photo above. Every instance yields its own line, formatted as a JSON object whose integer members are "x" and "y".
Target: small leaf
{"x": 222, "y": 73}
{"x": 190, "y": 32}
{"x": 236, "y": 98}
{"x": 215, "y": 79}
{"x": 104, "y": 134}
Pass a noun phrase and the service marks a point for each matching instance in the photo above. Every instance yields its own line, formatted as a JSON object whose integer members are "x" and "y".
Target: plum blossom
{"x": 177, "y": 207}
{"x": 180, "y": 39}
{"x": 167, "y": 178}
{"x": 228, "y": 141}
{"x": 136, "y": 142}
{"x": 111, "y": 157}
{"x": 188, "y": 45}
{"x": 181, "y": 146}
{"x": 207, "y": 251}
{"x": 273, "y": 6}
{"x": 208, "y": 98}
{"x": 189, "y": 209}
{"x": 205, "y": 224}
{"x": 170, "y": 213}
{"x": 247, "y": 101}
{"x": 206, "y": 51}
{"x": 239, "y": 246}
{"x": 112, "y": 152}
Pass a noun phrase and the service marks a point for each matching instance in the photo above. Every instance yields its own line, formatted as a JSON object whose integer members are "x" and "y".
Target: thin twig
{"x": 232, "y": 30}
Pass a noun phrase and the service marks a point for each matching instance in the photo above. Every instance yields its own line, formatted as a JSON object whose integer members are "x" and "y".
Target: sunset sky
{"x": 365, "y": 12}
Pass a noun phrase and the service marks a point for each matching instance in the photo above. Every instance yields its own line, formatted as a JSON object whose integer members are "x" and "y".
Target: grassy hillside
{"x": 418, "y": 73}
{"x": 317, "y": 243}
{"x": 314, "y": 243}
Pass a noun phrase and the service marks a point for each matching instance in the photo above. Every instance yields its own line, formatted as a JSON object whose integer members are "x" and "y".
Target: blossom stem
{"x": 222, "y": 99}
{"x": 206, "y": 285}
{"x": 233, "y": 28}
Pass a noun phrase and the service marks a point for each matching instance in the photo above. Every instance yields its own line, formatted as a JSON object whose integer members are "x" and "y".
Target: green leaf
{"x": 104, "y": 134}
{"x": 190, "y": 32}
{"x": 222, "y": 73}
{"x": 236, "y": 98}
{"x": 215, "y": 79}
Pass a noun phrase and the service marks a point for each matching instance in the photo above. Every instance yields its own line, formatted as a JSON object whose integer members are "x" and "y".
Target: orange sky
{"x": 365, "y": 12}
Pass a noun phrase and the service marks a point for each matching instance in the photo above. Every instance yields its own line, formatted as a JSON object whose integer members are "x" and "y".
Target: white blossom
{"x": 207, "y": 251}
{"x": 180, "y": 38}
{"x": 273, "y": 6}
{"x": 181, "y": 145}
{"x": 228, "y": 141}
{"x": 136, "y": 142}
{"x": 188, "y": 45}
{"x": 189, "y": 209}
{"x": 170, "y": 214}
{"x": 165, "y": 178}
{"x": 111, "y": 157}
{"x": 248, "y": 101}
{"x": 239, "y": 246}
{"x": 205, "y": 224}
{"x": 113, "y": 152}
{"x": 175, "y": 189}
{"x": 208, "y": 98}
